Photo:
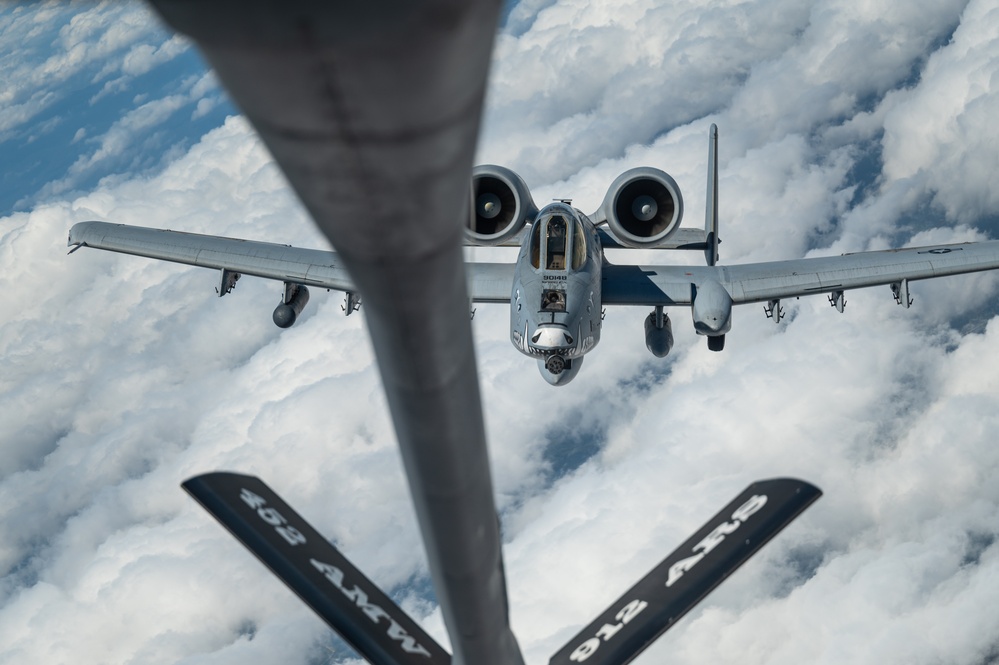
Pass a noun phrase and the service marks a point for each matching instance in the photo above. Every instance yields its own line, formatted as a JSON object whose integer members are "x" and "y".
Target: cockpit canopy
{"x": 557, "y": 237}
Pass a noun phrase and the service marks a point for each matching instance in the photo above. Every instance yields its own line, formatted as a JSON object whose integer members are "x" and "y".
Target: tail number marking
{"x": 272, "y": 517}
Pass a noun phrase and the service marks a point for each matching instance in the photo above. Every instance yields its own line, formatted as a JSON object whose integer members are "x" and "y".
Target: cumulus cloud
{"x": 144, "y": 57}
{"x": 64, "y": 67}
{"x": 133, "y": 126}
{"x": 935, "y": 129}
{"x": 844, "y": 127}
{"x": 36, "y": 59}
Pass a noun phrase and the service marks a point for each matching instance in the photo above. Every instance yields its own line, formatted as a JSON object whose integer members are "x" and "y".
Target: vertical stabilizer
{"x": 711, "y": 211}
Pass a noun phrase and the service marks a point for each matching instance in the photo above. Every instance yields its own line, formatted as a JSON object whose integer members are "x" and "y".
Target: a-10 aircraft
{"x": 561, "y": 280}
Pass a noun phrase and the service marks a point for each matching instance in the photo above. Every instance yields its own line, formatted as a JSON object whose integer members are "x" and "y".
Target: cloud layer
{"x": 844, "y": 126}
{"x": 89, "y": 91}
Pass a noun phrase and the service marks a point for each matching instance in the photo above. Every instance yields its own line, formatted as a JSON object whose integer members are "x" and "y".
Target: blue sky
{"x": 43, "y": 157}
{"x": 844, "y": 127}
{"x": 69, "y": 112}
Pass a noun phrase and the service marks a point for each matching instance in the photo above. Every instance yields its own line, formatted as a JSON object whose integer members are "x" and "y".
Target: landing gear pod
{"x": 711, "y": 309}
{"x": 296, "y": 297}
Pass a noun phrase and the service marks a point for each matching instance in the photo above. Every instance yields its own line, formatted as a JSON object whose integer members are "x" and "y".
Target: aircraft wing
{"x": 310, "y": 267}
{"x": 487, "y": 282}
{"x": 760, "y": 282}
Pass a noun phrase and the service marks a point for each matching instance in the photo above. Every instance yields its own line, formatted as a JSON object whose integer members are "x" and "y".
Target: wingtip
{"x": 75, "y": 232}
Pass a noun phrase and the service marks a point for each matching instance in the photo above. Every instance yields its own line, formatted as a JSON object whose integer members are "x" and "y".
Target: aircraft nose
{"x": 552, "y": 338}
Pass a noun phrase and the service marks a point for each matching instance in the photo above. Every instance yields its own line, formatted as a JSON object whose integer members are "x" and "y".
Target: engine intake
{"x": 643, "y": 207}
{"x": 501, "y": 205}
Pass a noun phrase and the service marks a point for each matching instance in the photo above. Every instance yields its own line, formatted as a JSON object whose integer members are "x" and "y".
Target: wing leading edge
{"x": 664, "y": 285}
{"x": 487, "y": 282}
{"x": 761, "y": 282}
{"x": 311, "y": 267}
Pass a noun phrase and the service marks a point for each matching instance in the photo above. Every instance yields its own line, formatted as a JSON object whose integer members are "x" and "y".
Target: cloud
{"x": 64, "y": 67}
{"x": 940, "y": 127}
{"x": 35, "y": 59}
{"x": 844, "y": 127}
{"x": 136, "y": 140}
{"x": 144, "y": 57}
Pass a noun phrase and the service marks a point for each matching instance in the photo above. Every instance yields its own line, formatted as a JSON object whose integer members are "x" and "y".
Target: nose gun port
{"x": 555, "y": 363}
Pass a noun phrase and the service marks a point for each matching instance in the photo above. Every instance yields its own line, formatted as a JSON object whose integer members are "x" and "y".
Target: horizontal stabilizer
{"x": 682, "y": 238}
{"x": 349, "y": 602}
{"x": 687, "y": 575}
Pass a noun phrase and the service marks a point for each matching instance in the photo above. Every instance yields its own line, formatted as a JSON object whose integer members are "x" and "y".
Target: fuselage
{"x": 555, "y": 312}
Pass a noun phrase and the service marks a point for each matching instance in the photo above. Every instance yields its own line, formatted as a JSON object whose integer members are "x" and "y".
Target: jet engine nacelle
{"x": 658, "y": 339}
{"x": 501, "y": 205}
{"x": 643, "y": 207}
{"x": 295, "y": 298}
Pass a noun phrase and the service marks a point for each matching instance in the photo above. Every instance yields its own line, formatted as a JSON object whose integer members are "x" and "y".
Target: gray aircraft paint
{"x": 709, "y": 291}
{"x": 555, "y": 310}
